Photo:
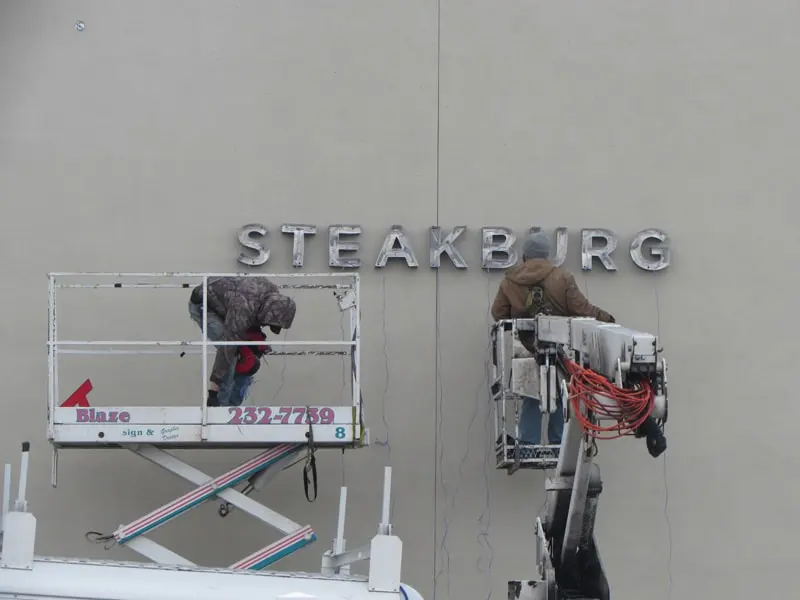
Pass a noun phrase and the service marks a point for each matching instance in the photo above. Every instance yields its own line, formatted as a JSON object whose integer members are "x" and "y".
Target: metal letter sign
{"x": 246, "y": 241}
{"x": 336, "y": 246}
{"x": 588, "y": 251}
{"x": 299, "y": 242}
{"x": 388, "y": 250}
{"x": 447, "y": 245}
{"x": 660, "y": 251}
{"x": 498, "y": 247}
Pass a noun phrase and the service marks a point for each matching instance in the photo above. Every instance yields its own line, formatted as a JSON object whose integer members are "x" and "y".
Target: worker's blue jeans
{"x": 530, "y": 423}
{"x": 233, "y": 389}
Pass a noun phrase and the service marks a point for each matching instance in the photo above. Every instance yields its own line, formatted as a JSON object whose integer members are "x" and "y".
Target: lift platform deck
{"x": 225, "y": 427}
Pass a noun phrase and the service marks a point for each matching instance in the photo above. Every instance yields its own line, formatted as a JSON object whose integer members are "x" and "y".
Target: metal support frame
{"x": 18, "y": 529}
{"x": 26, "y": 575}
{"x": 511, "y": 453}
{"x": 270, "y": 462}
{"x": 567, "y": 557}
{"x": 384, "y": 551}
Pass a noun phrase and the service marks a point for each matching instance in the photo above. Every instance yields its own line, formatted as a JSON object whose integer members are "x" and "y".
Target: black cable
{"x": 666, "y": 481}
{"x": 385, "y": 442}
{"x": 96, "y": 537}
{"x": 485, "y": 517}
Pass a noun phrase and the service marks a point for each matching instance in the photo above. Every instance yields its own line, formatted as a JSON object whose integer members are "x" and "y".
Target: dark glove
{"x": 212, "y": 400}
{"x": 655, "y": 440}
{"x": 656, "y": 444}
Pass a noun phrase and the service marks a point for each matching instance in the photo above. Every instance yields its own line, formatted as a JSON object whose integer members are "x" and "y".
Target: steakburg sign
{"x": 497, "y": 251}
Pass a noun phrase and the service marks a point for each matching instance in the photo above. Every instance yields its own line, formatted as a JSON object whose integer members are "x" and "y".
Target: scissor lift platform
{"x": 282, "y": 433}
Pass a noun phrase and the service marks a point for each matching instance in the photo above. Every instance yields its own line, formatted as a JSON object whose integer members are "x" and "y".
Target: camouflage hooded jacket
{"x": 243, "y": 303}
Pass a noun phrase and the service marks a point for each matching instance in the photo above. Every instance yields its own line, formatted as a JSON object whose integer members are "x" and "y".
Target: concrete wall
{"x": 144, "y": 142}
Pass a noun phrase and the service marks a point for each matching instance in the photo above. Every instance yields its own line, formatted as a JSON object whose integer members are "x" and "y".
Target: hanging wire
{"x": 485, "y": 518}
{"x": 666, "y": 480}
{"x": 446, "y": 515}
{"x": 282, "y": 377}
{"x": 439, "y": 449}
{"x": 480, "y": 400}
{"x": 342, "y": 391}
{"x": 385, "y": 442}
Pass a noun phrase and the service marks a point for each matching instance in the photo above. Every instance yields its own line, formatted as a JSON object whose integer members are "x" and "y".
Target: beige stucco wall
{"x": 144, "y": 142}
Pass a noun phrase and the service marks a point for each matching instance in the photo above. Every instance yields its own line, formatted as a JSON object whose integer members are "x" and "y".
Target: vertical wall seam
{"x": 437, "y": 396}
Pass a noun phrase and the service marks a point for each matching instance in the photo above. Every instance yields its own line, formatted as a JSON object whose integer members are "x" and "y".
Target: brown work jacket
{"x": 536, "y": 286}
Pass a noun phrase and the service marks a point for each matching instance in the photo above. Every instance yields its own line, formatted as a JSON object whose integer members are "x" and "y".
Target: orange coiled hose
{"x": 630, "y": 408}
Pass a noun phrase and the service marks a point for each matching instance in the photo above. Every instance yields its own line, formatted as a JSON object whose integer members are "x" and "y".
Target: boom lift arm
{"x": 602, "y": 373}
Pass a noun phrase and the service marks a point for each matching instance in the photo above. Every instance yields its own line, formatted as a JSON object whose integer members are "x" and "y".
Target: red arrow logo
{"x": 78, "y": 397}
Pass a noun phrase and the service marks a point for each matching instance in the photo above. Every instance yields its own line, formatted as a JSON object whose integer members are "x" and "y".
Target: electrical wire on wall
{"x": 282, "y": 377}
{"x": 342, "y": 391}
{"x": 480, "y": 395}
{"x": 445, "y": 559}
{"x": 483, "y": 564}
{"x": 666, "y": 480}
{"x": 485, "y": 518}
{"x": 385, "y": 442}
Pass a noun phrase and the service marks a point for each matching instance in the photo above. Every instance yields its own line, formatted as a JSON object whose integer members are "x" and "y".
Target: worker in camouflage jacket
{"x": 238, "y": 307}
{"x": 536, "y": 286}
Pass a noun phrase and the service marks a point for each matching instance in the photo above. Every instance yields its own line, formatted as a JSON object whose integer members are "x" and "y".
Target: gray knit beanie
{"x": 536, "y": 246}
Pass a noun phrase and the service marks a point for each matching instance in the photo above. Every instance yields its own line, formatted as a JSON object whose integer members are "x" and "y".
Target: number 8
{"x": 339, "y": 433}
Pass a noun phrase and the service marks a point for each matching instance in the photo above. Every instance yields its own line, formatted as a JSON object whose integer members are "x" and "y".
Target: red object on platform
{"x": 78, "y": 397}
{"x": 247, "y": 358}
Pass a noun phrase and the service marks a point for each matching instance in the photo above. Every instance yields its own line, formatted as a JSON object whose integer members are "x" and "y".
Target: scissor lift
{"x": 283, "y": 434}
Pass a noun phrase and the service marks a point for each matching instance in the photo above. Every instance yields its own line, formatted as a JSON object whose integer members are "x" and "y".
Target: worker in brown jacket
{"x": 536, "y": 286}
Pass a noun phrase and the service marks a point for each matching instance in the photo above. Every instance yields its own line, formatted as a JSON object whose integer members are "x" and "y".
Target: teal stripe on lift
{"x": 301, "y": 543}
{"x": 204, "y": 497}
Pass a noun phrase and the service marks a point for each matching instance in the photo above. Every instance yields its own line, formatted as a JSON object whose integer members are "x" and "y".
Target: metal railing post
{"x": 502, "y": 368}
{"x": 51, "y": 350}
{"x": 204, "y": 422}
{"x": 357, "y": 347}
